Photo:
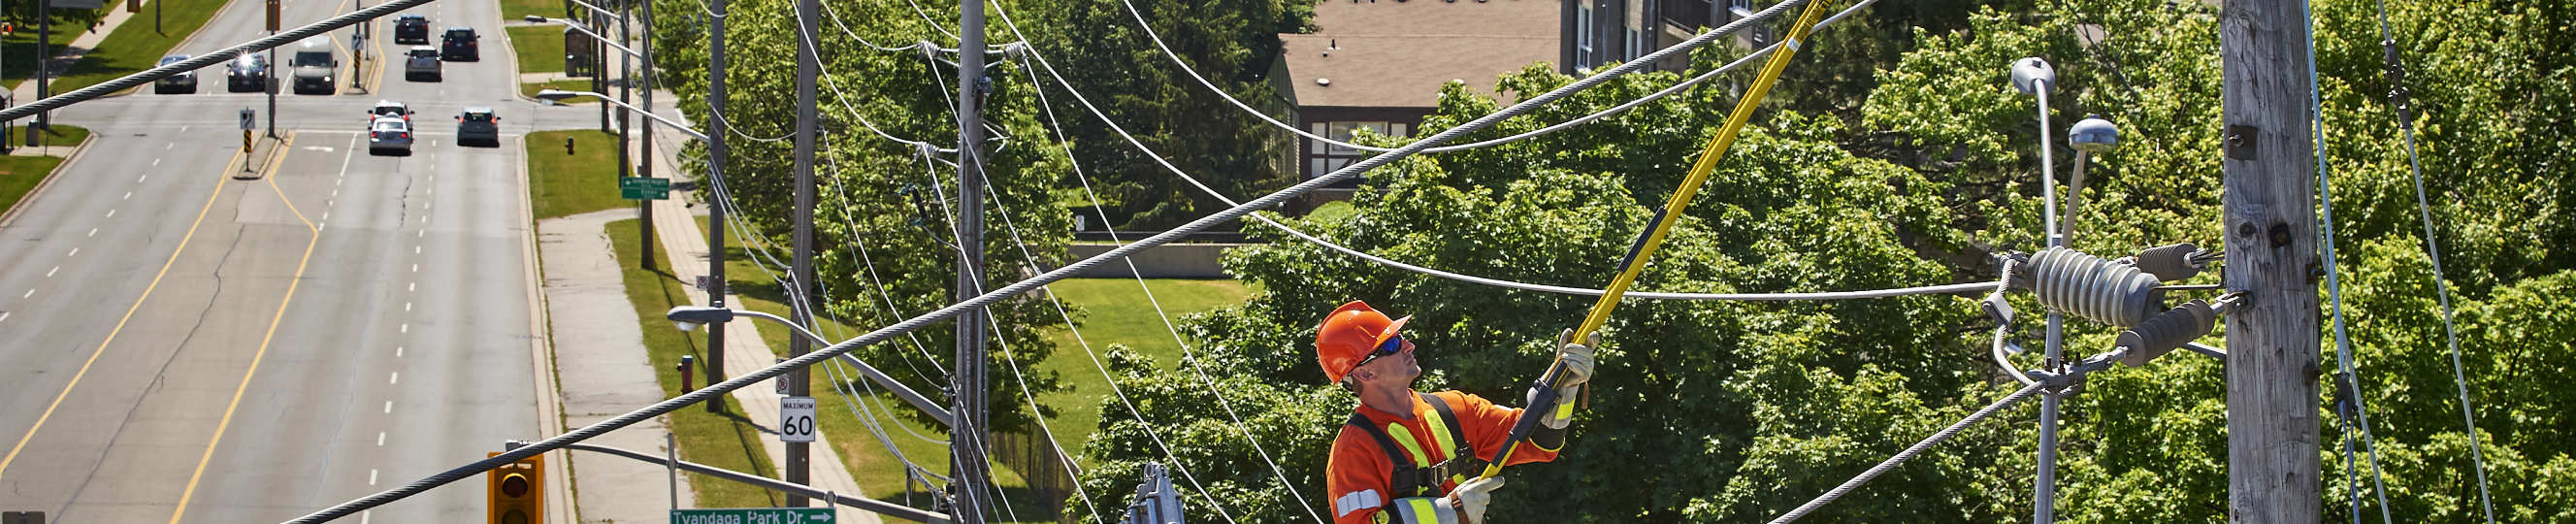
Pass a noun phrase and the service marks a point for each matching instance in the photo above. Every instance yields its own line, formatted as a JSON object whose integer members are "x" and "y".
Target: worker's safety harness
{"x": 1409, "y": 479}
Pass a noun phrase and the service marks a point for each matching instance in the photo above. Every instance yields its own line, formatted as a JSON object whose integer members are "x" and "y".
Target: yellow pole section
{"x": 1699, "y": 173}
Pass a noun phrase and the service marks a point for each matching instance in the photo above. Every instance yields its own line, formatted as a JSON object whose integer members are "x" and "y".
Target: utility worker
{"x": 1413, "y": 457}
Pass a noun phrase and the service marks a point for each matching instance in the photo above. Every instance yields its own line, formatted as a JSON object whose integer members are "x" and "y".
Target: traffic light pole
{"x": 808, "y": 65}
{"x": 647, "y": 166}
{"x": 967, "y": 441}
{"x": 2271, "y": 232}
{"x": 715, "y": 205}
{"x": 45, "y": 66}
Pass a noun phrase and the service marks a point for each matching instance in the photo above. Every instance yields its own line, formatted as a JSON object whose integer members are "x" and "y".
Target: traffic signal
{"x": 516, "y": 491}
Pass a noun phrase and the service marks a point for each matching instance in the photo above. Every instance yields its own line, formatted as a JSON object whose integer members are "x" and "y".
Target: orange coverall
{"x": 1359, "y": 473}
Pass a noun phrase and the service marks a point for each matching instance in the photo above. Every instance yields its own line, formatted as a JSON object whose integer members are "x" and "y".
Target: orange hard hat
{"x": 1349, "y": 335}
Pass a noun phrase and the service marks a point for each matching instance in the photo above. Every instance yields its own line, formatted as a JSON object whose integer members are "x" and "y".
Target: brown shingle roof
{"x": 1385, "y": 53}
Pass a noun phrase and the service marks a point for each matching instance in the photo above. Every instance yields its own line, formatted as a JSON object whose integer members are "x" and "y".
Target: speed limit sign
{"x": 796, "y": 419}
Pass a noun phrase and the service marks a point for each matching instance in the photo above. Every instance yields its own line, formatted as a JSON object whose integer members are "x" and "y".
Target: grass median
{"x": 582, "y": 181}
{"x": 725, "y": 440}
{"x": 21, "y": 174}
{"x": 133, "y": 47}
{"x": 540, "y": 48}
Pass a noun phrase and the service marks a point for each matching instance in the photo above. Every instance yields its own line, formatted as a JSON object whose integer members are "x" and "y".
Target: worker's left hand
{"x": 1472, "y": 496}
{"x": 1577, "y": 358}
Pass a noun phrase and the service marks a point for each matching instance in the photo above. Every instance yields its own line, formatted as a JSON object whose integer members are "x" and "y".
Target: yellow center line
{"x": 227, "y": 421}
{"x": 120, "y": 323}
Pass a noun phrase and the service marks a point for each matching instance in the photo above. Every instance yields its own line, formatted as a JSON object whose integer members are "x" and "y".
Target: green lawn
{"x": 726, "y": 440}
{"x": 133, "y": 47}
{"x": 21, "y": 174}
{"x": 1114, "y": 311}
{"x": 531, "y": 89}
{"x": 511, "y": 10}
{"x": 876, "y": 470}
{"x": 540, "y": 48}
{"x": 582, "y": 182}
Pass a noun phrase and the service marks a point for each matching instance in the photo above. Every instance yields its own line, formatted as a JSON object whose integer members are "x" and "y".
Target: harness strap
{"x": 1408, "y": 479}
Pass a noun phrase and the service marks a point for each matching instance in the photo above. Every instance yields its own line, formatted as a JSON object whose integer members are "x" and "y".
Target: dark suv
{"x": 411, "y": 29}
{"x": 458, "y": 45}
{"x": 477, "y": 125}
{"x": 248, "y": 72}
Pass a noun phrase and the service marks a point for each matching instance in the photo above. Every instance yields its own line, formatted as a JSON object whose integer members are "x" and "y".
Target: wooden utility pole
{"x": 2271, "y": 236}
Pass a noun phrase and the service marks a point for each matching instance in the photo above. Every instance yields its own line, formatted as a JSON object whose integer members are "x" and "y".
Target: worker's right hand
{"x": 1471, "y": 498}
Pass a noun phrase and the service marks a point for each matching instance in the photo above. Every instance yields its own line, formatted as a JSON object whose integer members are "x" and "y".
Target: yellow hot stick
{"x": 1699, "y": 174}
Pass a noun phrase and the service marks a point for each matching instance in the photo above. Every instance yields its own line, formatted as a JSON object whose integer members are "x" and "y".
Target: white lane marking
{"x": 415, "y": 286}
{"x": 166, "y": 147}
{"x": 139, "y": 179}
{"x": 396, "y": 379}
{"x": 183, "y": 129}
{"x": 366, "y": 516}
{"x": 93, "y": 231}
{"x": 406, "y": 328}
{"x": 4, "y": 316}
{"x": 415, "y": 268}
{"x": 398, "y": 351}
{"x": 129, "y": 195}
{"x": 371, "y": 474}
{"x": 326, "y": 216}
{"x": 155, "y": 163}
{"x": 111, "y": 213}
{"x": 380, "y": 438}
{"x": 415, "y": 250}
{"x": 30, "y": 292}
{"x": 406, "y": 307}
{"x": 75, "y": 252}
{"x": 49, "y": 273}
{"x": 335, "y": 193}
{"x": 389, "y": 406}
{"x": 422, "y": 233}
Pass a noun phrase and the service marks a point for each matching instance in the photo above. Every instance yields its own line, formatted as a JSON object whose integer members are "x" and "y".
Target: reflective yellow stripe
{"x": 1405, "y": 438}
{"x": 1440, "y": 435}
{"x": 1421, "y": 510}
{"x": 1564, "y": 409}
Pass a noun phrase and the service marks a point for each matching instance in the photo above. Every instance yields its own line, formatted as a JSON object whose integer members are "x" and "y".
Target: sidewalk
{"x": 68, "y": 52}
{"x": 604, "y": 371}
{"x": 686, "y": 246}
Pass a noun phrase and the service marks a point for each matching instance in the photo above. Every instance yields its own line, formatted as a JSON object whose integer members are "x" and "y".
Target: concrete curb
{"x": 550, "y": 416}
{"x": 11, "y": 215}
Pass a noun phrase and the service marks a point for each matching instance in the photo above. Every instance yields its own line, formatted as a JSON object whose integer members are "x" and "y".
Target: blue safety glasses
{"x": 1393, "y": 345}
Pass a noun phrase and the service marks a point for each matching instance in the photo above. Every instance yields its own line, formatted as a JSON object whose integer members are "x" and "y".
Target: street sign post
{"x": 641, "y": 188}
{"x": 796, "y": 419}
{"x": 751, "y": 516}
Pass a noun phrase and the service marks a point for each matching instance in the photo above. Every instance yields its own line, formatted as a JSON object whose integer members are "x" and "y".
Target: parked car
{"x": 389, "y": 135}
{"x": 459, "y": 44}
{"x": 248, "y": 72}
{"x": 389, "y": 109}
{"x": 184, "y": 82}
{"x": 315, "y": 65}
{"x": 411, "y": 29}
{"x": 422, "y": 62}
{"x": 477, "y": 125}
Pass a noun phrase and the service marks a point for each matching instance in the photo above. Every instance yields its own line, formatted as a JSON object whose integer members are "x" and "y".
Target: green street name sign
{"x": 643, "y": 188}
{"x": 751, "y": 516}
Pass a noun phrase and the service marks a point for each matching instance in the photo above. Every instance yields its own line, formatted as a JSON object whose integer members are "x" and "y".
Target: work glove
{"x": 1471, "y": 497}
{"x": 1576, "y": 372}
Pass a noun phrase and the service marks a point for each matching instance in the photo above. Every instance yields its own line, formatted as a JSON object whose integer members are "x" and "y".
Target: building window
{"x": 1583, "y": 34}
{"x": 1323, "y": 157}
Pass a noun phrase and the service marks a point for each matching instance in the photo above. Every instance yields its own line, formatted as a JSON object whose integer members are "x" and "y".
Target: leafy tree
{"x": 1097, "y": 45}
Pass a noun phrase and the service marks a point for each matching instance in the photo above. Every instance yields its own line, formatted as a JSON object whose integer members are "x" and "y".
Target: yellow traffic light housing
{"x": 516, "y": 491}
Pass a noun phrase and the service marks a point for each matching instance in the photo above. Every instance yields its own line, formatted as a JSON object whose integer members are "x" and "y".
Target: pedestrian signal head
{"x": 1350, "y": 336}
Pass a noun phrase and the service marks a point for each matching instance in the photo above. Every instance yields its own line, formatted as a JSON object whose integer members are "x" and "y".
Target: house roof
{"x": 1389, "y": 53}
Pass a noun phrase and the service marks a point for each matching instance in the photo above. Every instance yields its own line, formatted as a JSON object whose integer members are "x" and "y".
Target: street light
{"x": 2091, "y": 136}
{"x": 558, "y": 96}
{"x": 687, "y": 317}
{"x": 2034, "y": 76}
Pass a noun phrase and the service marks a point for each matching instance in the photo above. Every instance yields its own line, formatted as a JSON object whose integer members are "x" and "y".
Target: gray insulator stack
{"x": 2091, "y": 287}
{"x": 2167, "y": 331}
{"x": 2169, "y": 263}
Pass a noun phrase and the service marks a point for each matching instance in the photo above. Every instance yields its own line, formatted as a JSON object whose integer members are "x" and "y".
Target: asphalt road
{"x": 181, "y": 345}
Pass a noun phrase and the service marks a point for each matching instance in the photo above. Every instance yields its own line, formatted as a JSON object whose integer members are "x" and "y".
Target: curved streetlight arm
{"x": 558, "y": 95}
{"x": 690, "y": 316}
{"x": 602, "y": 12}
